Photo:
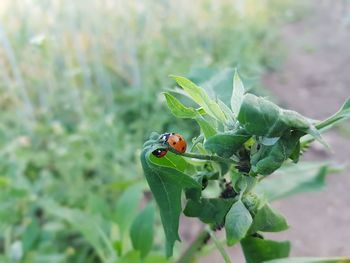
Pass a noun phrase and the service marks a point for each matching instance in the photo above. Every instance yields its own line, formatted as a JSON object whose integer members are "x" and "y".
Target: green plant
{"x": 225, "y": 174}
{"x": 72, "y": 123}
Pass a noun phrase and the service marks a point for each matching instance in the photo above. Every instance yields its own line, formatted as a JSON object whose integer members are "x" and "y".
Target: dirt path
{"x": 315, "y": 80}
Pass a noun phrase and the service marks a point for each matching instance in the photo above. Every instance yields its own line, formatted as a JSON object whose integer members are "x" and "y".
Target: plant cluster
{"x": 238, "y": 148}
{"x": 73, "y": 122}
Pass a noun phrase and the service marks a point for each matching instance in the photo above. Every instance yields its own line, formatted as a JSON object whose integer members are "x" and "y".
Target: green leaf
{"x": 178, "y": 109}
{"x": 209, "y": 211}
{"x": 237, "y": 94}
{"x": 166, "y": 184}
{"x": 296, "y": 153}
{"x": 171, "y": 160}
{"x": 206, "y": 128}
{"x": 264, "y": 118}
{"x": 311, "y": 260}
{"x": 127, "y": 206}
{"x": 202, "y": 178}
{"x": 257, "y": 250}
{"x": 250, "y": 200}
{"x": 294, "y": 119}
{"x": 226, "y": 144}
{"x": 205, "y": 175}
{"x": 218, "y": 82}
{"x": 269, "y": 158}
{"x": 181, "y": 111}
{"x": 237, "y": 223}
{"x": 292, "y": 179}
{"x": 342, "y": 114}
{"x": 245, "y": 184}
{"x": 316, "y": 135}
{"x": 132, "y": 256}
{"x": 345, "y": 109}
{"x": 155, "y": 258}
{"x": 261, "y": 117}
{"x": 193, "y": 194}
{"x": 141, "y": 231}
{"x": 268, "y": 219}
{"x": 92, "y": 227}
{"x": 231, "y": 122}
{"x": 31, "y": 235}
{"x": 196, "y": 93}
{"x": 201, "y": 98}
{"x": 227, "y": 111}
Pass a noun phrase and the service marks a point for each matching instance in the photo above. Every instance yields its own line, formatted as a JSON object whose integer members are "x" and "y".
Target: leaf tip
{"x": 174, "y": 77}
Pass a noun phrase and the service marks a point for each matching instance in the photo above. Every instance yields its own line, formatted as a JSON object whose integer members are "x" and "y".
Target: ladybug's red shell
{"x": 159, "y": 153}
{"x": 175, "y": 141}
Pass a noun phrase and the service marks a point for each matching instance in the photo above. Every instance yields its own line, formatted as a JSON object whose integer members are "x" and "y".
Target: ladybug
{"x": 159, "y": 153}
{"x": 175, "y": 140}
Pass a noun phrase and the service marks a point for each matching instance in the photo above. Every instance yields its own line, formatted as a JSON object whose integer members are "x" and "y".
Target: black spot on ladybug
{"x": 173, "y": 133}
{"x": 183, "y": 148}
{"x": 180, "y": 139}
{"x": 174, "y": 143}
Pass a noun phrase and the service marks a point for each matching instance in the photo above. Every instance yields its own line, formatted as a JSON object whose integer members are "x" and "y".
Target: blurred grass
{"x": 80, "y": 83}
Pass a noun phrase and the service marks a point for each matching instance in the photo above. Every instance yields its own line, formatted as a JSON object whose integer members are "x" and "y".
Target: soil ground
{"x": 315, "y": 81}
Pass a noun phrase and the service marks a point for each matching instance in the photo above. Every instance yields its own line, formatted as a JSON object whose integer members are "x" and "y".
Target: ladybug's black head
{"x": 164, "y": 137}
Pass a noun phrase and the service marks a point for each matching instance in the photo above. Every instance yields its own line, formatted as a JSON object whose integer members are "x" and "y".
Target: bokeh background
{"x": 80, "y": 86}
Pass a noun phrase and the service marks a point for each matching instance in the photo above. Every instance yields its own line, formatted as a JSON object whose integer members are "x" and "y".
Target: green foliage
{"x": 268, "y": 220}
{"x": 92, "y": 227}
{"x": 237, "y": 223}
{"x": 264, "y": 118}
{"x": 311, "y": 260}
{"x": 210, "y": 211}
{"x": 226, "y": 144}
{"x": 225, "y": 189}
{"x": 181, "y": 111}
{"x": 166, "y": 184}
{"x": 199, "y": 96}
{"x": 291, "y": 180}
{"x": 237, "y": 94}
{"x": 340, "y": 115}
{"x": 126, "y": 207}
{"x": 31, "y": 235}
{"x": 258, "y": 250}
{"x": 131, "y": 256}
{"x": 72, "y": 123}
{"x": 141, "y": 231}
{"x": 155, "y": 258}
{"x": 178, "y": 109}
{"x": 271, "y": 157}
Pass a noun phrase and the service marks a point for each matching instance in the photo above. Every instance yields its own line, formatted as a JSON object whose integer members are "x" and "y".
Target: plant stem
{"x": 328, "y": 122}
{"x": 219, "y": 246}
{"x": 204, "y": 157}
{"x": 195, "y": 246}
{"x": 198, "y": 243}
